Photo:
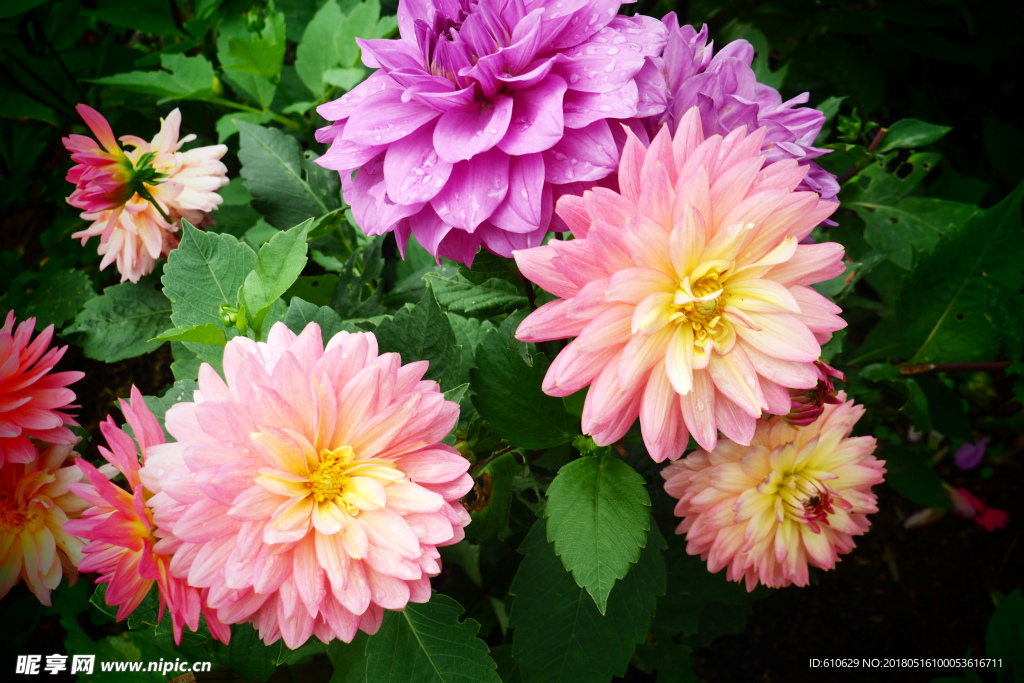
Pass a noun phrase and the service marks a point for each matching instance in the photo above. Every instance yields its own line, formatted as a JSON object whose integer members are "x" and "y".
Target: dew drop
{"x": 574, "y": 78}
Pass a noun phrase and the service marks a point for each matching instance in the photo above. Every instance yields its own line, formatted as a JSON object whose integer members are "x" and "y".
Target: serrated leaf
{"x": 487, "y": 266}
{"x": 278, "y": 264}
{"x": 275, "y": 175}
{"x": 947, "y": 304}
{"x": 358, "y": 293}
{"x": 226, "y": 126}
{"x": 911, "y": 133}
{"x": 490, "y": 297}
{"x": 186, "y": 78}
{"x": 207, "y": 333}
{"x": 301, "y": 313}
{"x": 423, "y": 333}
{"x": 427, "y": 643}
{"x": 202, "y": 273}
{"x": 559, "y": 633}
{"x": 597, "y": 517}
{"x": 469, "y": 332}
{"x": 508, "y": 394}
{"x": 55, "y": 299}
{"x": 264, "y": 55}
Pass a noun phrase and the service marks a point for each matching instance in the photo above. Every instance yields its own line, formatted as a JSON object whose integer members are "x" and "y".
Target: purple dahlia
{"x": 480, "y": 110}
{"x": 723, "y": 86}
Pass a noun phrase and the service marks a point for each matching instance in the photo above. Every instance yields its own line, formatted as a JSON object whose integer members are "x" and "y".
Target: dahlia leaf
{"x": 487, "y": 266}
{"x": 301, "y": 313}
{"x": 189, "y": 78}
{"x": 427, "y": 642}
{"x": 952, "y": 302}
{"x": 913, "y": 476}
{"x": 56, "y": 298}
{"x": 226, "y": 126}
{"x": 423, "y": 333}
{"x": 490, "y": 297}
{"x": 285, "y": 186}
{"x": 508, "y": 394}
{"x": 469, "y": 333}
{"x": 249, "y": 657}
{"x": 492, "y": 498}
{"x": 597, "y": 517}
{"x": 559, "y": 633}
{"x": 202, "y": 273}
{"x": 358, "y": 276}
{"x": 263, "y": 56}
{"x": 207, "y": 333}
{"x": 911, "y": 133}
{"x": 1004, "y": 637}
{"x": 316, "y": 52}
{"x": 348, "y": 659}
{"x": 278, "y": 264}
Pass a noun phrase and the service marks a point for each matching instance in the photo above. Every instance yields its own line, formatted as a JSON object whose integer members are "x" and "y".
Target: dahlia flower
{"x": 308, "y": 490}
{"x": 479, "y": 110}
{"x": 120, "y": 530}
{"x": 808, "y": 405}
{"x": 794, "y": 497}
{"x": 35, "y": 504}
{"x": 723, "y": 86}
{"x": 135, "y": 200}
{"x": 688, "y": 292}
{"x": 32, "y": 398}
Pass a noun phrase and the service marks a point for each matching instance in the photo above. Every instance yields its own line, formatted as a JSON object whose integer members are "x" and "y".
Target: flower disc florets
{"x": 478, "y": 110}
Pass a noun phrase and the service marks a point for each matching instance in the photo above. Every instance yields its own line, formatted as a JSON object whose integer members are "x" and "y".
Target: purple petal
{"x": 583, "y": 108}
{"x": 582, "y": 154}
{"x": 600, "y": 64}
{"x": 536, "y": 121}
{"x": 474, "y": 190}
{"x": 392, "y": 54}
{"x": 349, "y": 103}
{"x": 575, "y": 22}
{"x": 384, "y": 117}
{"x": 372, "y": 210}
{"x": 412, "y": 170}
{"x": 345, "y": 155}
{"x": 652, "y": 92}
{"x": 537, "y": 71}
{"x": 464, "y": 133}
{"x": 442, "y": 100}
{"x": 969, "y": 455}
{"x": 502, "y": 242}
{"x": 646, "y": 33}
{"x": 428, "y": 229}
{"x": 459, "y": 246}
{"x": 524, "y": 205}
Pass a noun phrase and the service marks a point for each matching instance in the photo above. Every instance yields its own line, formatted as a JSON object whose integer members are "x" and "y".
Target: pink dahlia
{"x": 687, "y": 291}
{"x": 120, "y": 530}
{"x": 808, "y": 405}
{"x": 32, "y": 398}
{"x": 793, "y": 497}
{"x": 479, "y": 110}
{"x": 35, "y": 505}
{"x": 308, "y": 489}
{"x": 723, "y": 86}
{"x": 137, "y": 220}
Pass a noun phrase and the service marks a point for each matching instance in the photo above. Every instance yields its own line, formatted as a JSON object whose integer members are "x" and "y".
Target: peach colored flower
{"x": 794, "y": 497}
{"x": 120, "y": 530}
{"x": 35, "y": 505}
{"x": 32, "y": 398}
{"x": 308, "y": 489}
{"x": 687, "y": 291}
{"x": 137, "y": 219}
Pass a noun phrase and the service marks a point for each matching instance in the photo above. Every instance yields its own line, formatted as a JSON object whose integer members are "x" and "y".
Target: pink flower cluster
{"x": 135, "y": 200}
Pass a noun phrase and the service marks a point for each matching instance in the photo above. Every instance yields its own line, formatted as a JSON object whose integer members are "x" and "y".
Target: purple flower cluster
{"x": 723, "y": 86}
{"x": 478, "y": 109}
{"x": 484, "y": 112}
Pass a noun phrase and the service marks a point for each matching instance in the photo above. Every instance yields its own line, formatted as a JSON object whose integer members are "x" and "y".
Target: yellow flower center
{"x": 14, "y": 519}
{"x": 327, "y": 482}
{"x": 699, "y": 301}
{"x": 802, "y": 497}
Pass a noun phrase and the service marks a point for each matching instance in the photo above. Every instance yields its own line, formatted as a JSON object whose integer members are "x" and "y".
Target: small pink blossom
{"x": 969, "y": 506}
{"x": 808, "y": 405}
{"x": 308, "y": 490}
{"x": 120, "y": 530}
{"x": 794, "y": 497}
{"x": 32, "y": 397}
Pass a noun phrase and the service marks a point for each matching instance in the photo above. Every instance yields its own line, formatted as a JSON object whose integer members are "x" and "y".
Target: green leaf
{"x": 316, "y": 52}
{"x": 286, "y": 187}
{"x": 263, "y": 56}
{"x": 279, "y": 263}
{"x": 598, "y": 518}
{"x": 949, "y": 302}
{"x": 507, "y": 384}
{"x": 316, "y": 289}
{"x": 348, "y": 659}
{"x": 181, "y": 390}
{"x": 1004, "y": 638}
{"x": 301, "y": 313}
{"x": 207, "y": 333}
{"x": 226, "y": 126}
{"x": 189, "y": 78}
{"x": 559, "y": 633}
{"x": 492, "y": 498}
{"x": 346, "y": 79}
{"x": 358, "y": 294}
{"x": 249, "y": 657}
{"x": 487, "y": 266}
{"x": 423, "y": 333}
{"x": 15, "y": 7}
{"x": 120, "y": 324}
{"x": 362, "y": 21}
{"x": 469, "y": 332}
{"x": 202, "y": 273}
{"x": 735, "y": 30}
{"x": 491, "y": 297}
{"x": 14, "y": 105}
{"x": 427, "y": 643}
{"x": 913, "y": 477}
{"x": 151, "y": 18}
{"x": 911, "y": 133}
{"x": 56, "y": 299}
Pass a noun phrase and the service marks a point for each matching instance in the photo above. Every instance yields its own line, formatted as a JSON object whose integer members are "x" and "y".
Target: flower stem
{"x": 871, "y": 148}
{"x": 143, "y": 192}
{"x": 283, "y": 120}
{"x": 955, "y": 367}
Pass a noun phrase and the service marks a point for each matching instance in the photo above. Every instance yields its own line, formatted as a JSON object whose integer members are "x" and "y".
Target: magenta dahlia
{"x": 479, "y": 109}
